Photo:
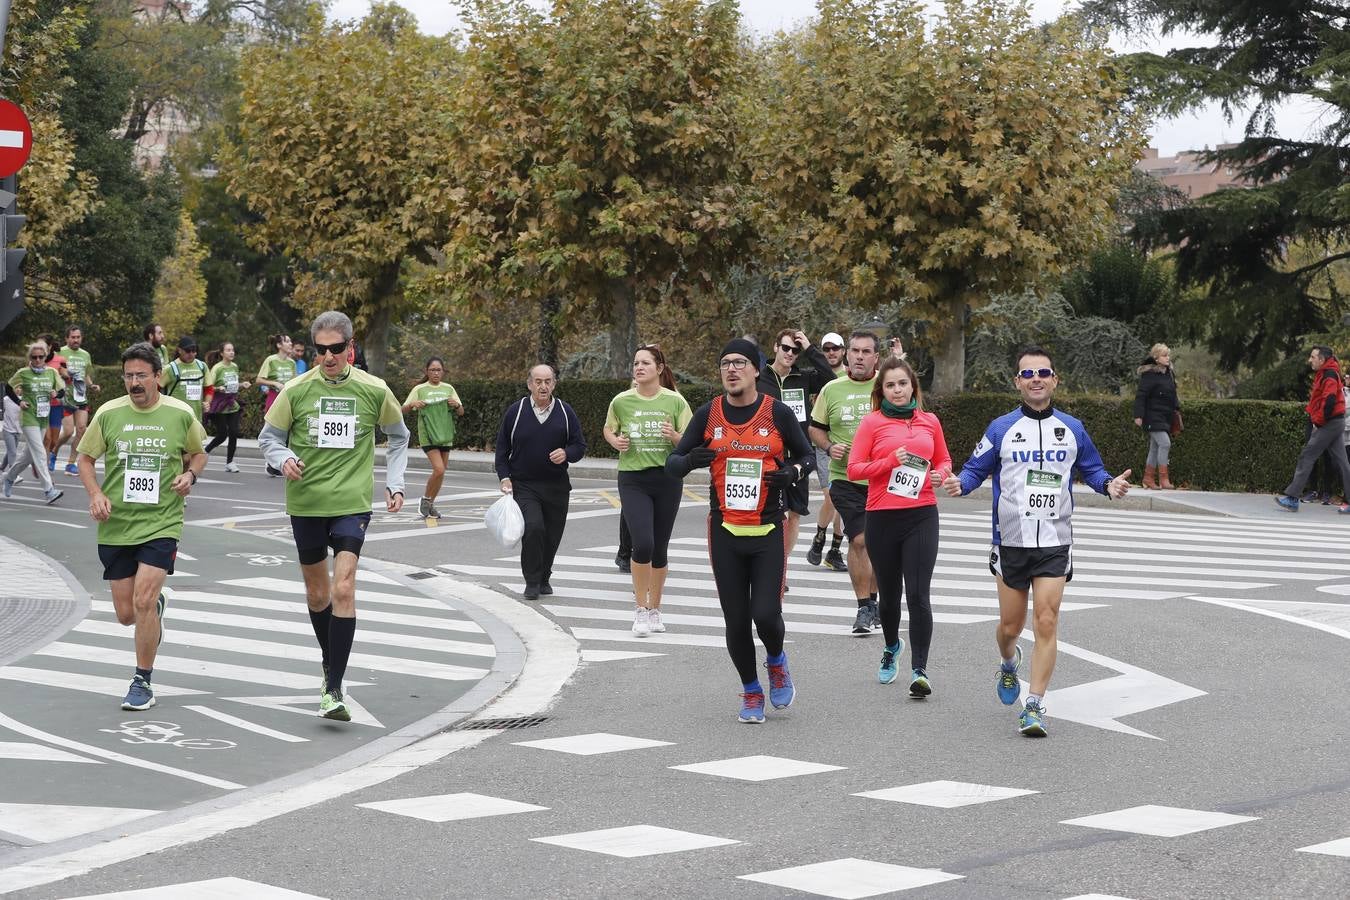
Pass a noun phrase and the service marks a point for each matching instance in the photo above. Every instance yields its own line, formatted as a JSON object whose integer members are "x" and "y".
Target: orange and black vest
{"x": 757, "y": 440}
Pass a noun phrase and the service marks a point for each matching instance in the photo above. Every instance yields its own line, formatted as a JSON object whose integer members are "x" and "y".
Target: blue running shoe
{"x": 139, "y": 695}
{"x": 159, "y": 611}
{"x": 1287, "y": 503}
{"x": 781, "y": 691}
{"x": 919, "y": 686}
{"x": 752, "y": 708}
{"x": 1007, "y": 684}
{"x": 887, "y": 671}
{"x": 1030, "y": 722}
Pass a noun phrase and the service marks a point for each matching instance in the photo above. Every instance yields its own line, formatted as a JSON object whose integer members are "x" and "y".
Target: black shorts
{"x": 439, "y": 447}
{"x": 798, "y": 497}
{"x": 1017, "y": 566}
{"x": 121, "y": 562}
{"x": 315, "y": 534}
{"x": 850, "y": 501}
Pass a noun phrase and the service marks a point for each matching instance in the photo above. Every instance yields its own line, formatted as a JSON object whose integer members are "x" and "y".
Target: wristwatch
{"x": 193, "y": 474}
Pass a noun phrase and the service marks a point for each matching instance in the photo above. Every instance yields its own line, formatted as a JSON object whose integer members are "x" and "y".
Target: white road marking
{"x": 62, "y": 524}
{"x": 39, "y": 753}
{"x": 212, "y": 889}
{"x": 296, "y": 589}
{"x": 208, "y": 669}
{"x": 793, "y": 626}
{"x": 47, "y": 822}
{"x": 1274, "y": 614}
{"x": 308, "y": 704}
{"x": 297, "y": 608}
{"x": 247, "y": 725}
{"x": 91, "y": 684}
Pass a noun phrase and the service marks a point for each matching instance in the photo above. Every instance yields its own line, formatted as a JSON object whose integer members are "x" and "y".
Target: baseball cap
{"x": 832, "y": 338}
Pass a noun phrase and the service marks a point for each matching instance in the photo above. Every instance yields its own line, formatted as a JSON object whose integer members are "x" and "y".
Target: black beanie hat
{"x": 744, "y": 348}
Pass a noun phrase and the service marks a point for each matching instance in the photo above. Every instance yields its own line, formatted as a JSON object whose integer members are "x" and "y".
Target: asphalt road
{"x": 1197, "y": 730}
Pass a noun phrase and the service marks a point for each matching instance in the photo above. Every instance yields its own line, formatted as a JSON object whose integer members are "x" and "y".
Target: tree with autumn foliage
{"x": 180, "y": 292}
{"x": 942, "y": 161}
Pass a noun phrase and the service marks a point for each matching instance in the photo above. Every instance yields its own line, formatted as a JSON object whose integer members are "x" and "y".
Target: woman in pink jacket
{"x": 901, "y": 451}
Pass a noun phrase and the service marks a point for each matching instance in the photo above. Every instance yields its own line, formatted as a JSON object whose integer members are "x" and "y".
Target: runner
{"x": 834, "y": 419}
{"x": 832, "y": 347}
{"x": 433, "y": 399}
{"x": 38, "y": 388}
{"x": 786, "y": 379}
{"x": 143, "y": 437}
{"x": 51, "y": 437}
{"x": 155, "y": 336}
{"x": 1033, "y": 453}
{"x": 644, "y": 424}
{"x": 275, "y": 371}
{"x": 756, "y": 449}
{"x": 224, "y": 411}
{"x": 901, "y": 451}
{"x": 185, "y": 378}
{"x": 320, "y": 433}
{"x": 79, "y": 385}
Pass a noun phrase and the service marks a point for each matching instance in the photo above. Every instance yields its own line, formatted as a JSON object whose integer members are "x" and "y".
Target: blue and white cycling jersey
{"x": 1033, "y": 456}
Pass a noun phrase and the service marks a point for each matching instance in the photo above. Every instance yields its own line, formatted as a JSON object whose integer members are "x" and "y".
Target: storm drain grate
{"x": 494, "y": 724}
{"x": 421, "y": 576}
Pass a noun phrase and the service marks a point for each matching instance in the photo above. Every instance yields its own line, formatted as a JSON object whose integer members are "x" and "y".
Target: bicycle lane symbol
{"x": 139, "y": 731}
{"x": 260, "y": 559}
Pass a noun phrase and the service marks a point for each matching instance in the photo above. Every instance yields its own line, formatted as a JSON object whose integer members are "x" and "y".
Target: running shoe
{"x": 654, "y": 621}
{"x": 424, "y": 508}
{"x": 159, "y": 611}
{"x": 862, "y": 622}
{"x": 835, "y": 560}
{"x": 642, "y": 625}
{"x": 817, "y": 550}
{"x": 887, "y": 671}
{"x": 919, "y": 685}
{"x": 1031, "y": 721}
{"x": 435, "y": 513}
{"x": 1309, "y": 497}
{"x": 624, "y": 564}
{"x": 139, "y": 695}
{"x": 72, "y": 469}
{"x": 1007, "y": 684}
{"x": 8, "y": 489}
{"x": 1288, "y": 503}
{"x": 752, "y": 708}
{"x": 53, "y": 495}
{"x": 231, "y": 467}
{"x": 781, "y": 691}
{"x": 332, "y": 707}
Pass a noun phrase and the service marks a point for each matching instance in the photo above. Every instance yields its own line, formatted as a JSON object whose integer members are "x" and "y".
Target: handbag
{"x": 1177, "y": 425}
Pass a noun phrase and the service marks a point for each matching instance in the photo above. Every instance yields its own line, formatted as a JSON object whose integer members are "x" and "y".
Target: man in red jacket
{"x": 1326, "y": 409}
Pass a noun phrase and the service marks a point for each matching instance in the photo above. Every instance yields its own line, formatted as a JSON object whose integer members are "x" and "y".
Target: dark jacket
{"x": 1156, "y": 398}
{"x": 810, "y": 374}
{"x": 524, "y": 443}
{"x": 1326, "y": 402}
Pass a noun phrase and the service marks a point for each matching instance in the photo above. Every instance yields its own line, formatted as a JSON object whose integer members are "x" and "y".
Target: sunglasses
{"x": 789, "y": 348}
{"x": 1036, "y": 373}
{"x": 336, "y": 349}
{"x": 37, "y": 356}
{"x": 831, "y": 348}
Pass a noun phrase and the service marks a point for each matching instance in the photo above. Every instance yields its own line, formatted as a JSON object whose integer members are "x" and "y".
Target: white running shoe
{"x": 654, "y": 621}
{"x": 642, "y": 622}
{"x": 232, "y": 467}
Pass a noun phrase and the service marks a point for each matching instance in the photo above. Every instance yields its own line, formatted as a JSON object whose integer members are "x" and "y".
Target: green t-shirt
{"x": 436, "y": 420}
{"x": 640, "y": 418}
{"x": 224, "y": 377}
{"x": 165, "y": 355}
{"x": 277, "y": 368}
{"x": 79, "y": 364}
{"x": 186, "y": 382}
{"x": 37, "y": 389}
{"x": 841, "y": 404}
{"x": 332, "y": 430}
{"x": 144, "y": 454}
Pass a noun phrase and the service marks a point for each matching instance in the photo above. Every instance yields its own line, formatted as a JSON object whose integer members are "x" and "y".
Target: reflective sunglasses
{"x": 1037, "y": 373}
{"x": 790, "y": 348}
{"x": 831, "y": 348}
{"x": 337, "y": 349}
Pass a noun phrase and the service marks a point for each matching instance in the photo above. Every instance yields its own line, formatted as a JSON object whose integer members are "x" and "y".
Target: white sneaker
{"x": 642, "y": 622}
{"x": 654, "y": 621}
{"x": 232, "y": 467}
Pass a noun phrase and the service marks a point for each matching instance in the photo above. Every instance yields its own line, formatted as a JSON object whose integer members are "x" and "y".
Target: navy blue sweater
{"x": 526, "y": 456}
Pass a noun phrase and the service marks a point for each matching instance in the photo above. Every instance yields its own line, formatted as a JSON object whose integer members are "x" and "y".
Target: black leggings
{"x": 227, "y": 424}
{"x": 749, "y": 572}
{"x": 903, "y": 546}
{"x": 651, "y": 500}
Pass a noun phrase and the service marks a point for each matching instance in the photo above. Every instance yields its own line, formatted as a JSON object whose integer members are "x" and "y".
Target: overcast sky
{"x": 1191, "y": 132}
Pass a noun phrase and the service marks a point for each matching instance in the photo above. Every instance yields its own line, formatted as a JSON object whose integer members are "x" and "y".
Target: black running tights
{"x": 227, "y": 425}
{"x": 651, "y": 500}
{"x": 749, "y": 573}
{"x": 903, "y": 547}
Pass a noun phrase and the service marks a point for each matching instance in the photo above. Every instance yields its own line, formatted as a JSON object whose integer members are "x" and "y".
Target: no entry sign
{"x": 16, "y": 139}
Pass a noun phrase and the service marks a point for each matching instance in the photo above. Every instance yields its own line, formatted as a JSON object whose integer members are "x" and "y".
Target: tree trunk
{"x": 622, "y": 327}
{"x": 949, "y": 369}
{"x": 385, "y": 295}
{"x": 549, "y": 308}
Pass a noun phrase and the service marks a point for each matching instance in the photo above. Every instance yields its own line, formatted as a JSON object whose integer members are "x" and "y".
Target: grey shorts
{"x": 823, "y": 468}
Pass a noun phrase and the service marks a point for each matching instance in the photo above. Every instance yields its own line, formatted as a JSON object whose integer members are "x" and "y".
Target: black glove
{"x": 701, "y": 457}
{"x": 783, "y": 478}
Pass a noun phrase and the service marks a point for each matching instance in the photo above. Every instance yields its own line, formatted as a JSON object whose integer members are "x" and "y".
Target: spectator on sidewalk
{"x": 1155, "y": 405}
{"x": 1326, "y": 411}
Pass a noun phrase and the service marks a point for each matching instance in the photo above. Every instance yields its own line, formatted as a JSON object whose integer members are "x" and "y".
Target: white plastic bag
{"x": 504, "y": 521}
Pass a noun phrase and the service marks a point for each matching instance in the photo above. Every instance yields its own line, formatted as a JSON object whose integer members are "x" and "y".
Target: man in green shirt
{"x": 839, "y": 409}
{"x": 80, "y": 368}
{"x": 38, "y": 387}
{"x": 144, "y": 438}
{"x": 185, "y": 378}
{"x": 154, "y": 335}
{"x": 320, "y": 434}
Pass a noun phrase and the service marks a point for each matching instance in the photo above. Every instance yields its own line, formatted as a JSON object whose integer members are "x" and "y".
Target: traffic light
{"x": 11, "y": 257}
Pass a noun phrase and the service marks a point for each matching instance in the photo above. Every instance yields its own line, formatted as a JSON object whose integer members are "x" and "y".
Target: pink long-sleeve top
{"x": 873, "y": 456}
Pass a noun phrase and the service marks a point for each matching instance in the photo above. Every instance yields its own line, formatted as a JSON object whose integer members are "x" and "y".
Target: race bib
{"x": 741, "y": 486}
{"x": 231, "y": 382}
{"x": 337, "y": 423}
{"x": 907, "y": 478}
{"x": 1042, "y": 496}
{"x": 795, "y": 398}
{"x": 192, "y": 390}
{"x": 141, "y": 482}
{"x": 42, "y": 406}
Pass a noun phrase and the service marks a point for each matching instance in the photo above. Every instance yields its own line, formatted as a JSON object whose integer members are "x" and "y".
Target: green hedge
{"x": 1228, "y": 445}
